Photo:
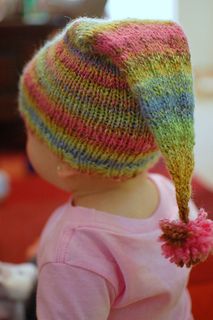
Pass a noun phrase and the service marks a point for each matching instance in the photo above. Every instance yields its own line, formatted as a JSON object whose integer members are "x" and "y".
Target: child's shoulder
{"x": 162, "y": 182}
{"x": 167, "y": 188}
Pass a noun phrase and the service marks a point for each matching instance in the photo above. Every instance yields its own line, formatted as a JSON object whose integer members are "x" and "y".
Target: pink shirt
{"x": 94, "y": 266}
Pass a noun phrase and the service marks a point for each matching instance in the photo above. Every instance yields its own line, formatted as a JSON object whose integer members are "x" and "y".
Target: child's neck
{"x": 135, "y": 198}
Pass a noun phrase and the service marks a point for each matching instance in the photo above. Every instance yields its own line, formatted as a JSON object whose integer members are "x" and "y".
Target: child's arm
{"x": 68, "y": 292}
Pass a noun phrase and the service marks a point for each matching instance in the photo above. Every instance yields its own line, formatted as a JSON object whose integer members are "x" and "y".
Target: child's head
{"x": 108, "y": 97}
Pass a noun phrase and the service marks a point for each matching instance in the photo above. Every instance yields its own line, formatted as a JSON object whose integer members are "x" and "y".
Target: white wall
{"x": 144, "y": 9}
{"x": 196, "y": 17}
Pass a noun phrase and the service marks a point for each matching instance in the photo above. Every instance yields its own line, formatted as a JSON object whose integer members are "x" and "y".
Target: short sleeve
{"x": 68, "y": 292}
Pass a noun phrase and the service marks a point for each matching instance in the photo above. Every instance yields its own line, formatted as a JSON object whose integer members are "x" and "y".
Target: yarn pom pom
{"x": 187, "y": 243}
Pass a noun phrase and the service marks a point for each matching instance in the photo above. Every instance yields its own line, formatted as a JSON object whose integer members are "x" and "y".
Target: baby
{"x": 101, "y": 102}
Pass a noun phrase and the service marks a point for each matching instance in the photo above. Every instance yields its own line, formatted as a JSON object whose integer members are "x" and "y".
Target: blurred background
{"x": 25, "y": 200}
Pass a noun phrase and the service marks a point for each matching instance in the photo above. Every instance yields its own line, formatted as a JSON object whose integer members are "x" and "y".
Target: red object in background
{"x": 32, "y": 200}
{"x": 24, "y": 214}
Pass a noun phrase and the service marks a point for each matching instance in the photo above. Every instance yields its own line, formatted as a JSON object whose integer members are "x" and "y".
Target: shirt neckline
{"x": 89, "y": 216}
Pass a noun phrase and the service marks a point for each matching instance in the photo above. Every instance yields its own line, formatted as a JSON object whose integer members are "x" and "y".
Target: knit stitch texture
{"x": 108, "y": 96}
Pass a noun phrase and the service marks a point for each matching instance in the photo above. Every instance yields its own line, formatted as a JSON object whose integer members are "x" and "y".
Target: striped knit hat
{"x": 109, "y": 96}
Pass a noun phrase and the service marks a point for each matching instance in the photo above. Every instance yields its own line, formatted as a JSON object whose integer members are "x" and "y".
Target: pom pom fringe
{"x": 187, "y": 243}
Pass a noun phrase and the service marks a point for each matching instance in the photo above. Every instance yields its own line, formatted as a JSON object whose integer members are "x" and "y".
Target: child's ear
{"x": 64, "y": 170}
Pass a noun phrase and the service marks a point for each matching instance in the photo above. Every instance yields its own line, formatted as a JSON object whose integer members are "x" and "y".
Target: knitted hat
{"x": 109, "y": 96}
